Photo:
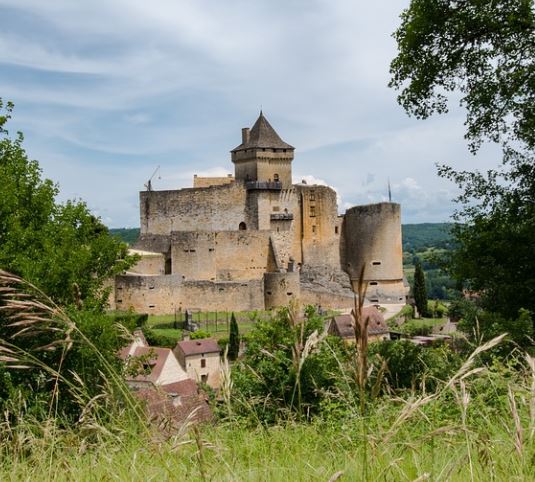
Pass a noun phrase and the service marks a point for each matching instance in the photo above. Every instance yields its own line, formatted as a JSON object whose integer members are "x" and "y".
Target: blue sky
{"x": 105, "y": 91}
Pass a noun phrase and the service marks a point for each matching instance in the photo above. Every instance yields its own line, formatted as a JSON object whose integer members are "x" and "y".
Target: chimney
{"x": 245, "y": 135}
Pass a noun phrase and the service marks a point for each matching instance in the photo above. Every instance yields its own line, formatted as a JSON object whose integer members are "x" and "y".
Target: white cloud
{"x": 106, "y": 91}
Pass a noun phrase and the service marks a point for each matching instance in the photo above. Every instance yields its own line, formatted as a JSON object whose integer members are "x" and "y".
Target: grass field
{"x": 215, "y": 323}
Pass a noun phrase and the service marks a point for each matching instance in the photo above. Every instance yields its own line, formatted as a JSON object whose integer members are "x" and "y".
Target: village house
{"x": 148, "y": 366}
{"x": 200, "y": 359}
{"x": 342, "y": 326}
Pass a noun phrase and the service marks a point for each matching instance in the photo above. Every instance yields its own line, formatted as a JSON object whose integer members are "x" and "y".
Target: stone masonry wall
{"x": 164, "y": 294}
{"x": 215, "y": 208}
{"x": 223, "y": 255}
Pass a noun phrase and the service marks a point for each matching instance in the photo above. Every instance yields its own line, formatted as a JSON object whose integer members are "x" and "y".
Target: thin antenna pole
{"x": 389, "y": 192}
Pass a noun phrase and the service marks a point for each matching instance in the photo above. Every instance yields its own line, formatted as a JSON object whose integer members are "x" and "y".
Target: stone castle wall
{"x": 223, "y": 255}
{"x": 215, "y": 208}
{"x": 165, "y": 294}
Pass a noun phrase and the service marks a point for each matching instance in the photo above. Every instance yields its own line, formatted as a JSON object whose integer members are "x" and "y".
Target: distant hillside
{"x": 419, "y": 237}
{"x": 128, "y": 235}
{"x": 416, "y": 237}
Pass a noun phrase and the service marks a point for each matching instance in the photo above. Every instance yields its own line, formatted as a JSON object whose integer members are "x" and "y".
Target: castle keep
{"x": 256, "y": 241}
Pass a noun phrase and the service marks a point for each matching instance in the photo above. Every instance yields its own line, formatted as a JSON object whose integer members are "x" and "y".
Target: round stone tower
{"x": 280, "y": 289}
{"x": 372, "y": 235}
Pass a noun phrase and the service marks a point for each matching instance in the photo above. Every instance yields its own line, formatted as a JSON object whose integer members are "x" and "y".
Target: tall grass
{"x": 479, "y": 424}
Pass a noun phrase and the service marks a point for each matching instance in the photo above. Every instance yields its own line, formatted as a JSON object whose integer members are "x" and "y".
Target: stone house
{"x": 150, "y": 366}
{"x": 201, "y": 360}
{"x": 342, "y": 326}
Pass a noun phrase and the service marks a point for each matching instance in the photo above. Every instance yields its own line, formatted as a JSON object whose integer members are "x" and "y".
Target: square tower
{"x": 263, "y": 158}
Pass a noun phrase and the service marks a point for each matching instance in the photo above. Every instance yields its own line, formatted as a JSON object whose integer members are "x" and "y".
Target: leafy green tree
{"x": 410, "y": 366}
{"x": 61, "y": 248}
{"x": 265, "y": 377}
{"x": 484, "y": 51}
{"x": 234, "y": 339}
{"x": 419, "y": 290}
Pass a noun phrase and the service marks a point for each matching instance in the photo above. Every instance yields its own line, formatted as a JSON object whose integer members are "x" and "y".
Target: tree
{"x": 234, "y": 339}
{"x": 61, "y": 248}
{"x": 419, "y": 290}
{"x": 484, "y": 51}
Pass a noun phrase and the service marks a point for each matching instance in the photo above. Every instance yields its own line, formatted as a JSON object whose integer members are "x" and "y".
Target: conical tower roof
{"x": 262, "y": 135}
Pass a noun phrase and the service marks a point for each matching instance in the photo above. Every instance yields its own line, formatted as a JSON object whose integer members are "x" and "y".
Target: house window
{"x": 203, "y": 363}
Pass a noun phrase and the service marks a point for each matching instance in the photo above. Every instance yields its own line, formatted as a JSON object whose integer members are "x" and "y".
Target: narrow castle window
{"x": 312, "y": 211}
{"x": 312, "y": 196}
{"x": 376, "y": 263}
{"x": 314, "y": 228}
{"x": 336, "y": 230}
{"x": 242, "y": 226}
{"x": 203, "y": 363}
{"x": 373, "y": 283}
{"x": 276, "y": 177}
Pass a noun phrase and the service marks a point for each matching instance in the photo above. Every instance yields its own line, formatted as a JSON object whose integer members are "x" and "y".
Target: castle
{"x": 256, "y": 241}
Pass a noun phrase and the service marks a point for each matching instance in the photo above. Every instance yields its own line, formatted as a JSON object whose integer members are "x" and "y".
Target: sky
{"x": 107, "y": 90}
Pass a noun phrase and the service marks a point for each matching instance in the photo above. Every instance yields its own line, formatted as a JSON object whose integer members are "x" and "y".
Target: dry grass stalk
{"x": 360, "y": 327}
{"x": 531, "y": 364}
{"x": 226, "y": 382}
{"x": 518, "y": 435}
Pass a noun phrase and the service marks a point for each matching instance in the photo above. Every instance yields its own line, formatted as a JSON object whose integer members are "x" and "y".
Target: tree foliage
{"x": 484, "y": 51}
{"x": 61, "y": 248}
{"x": 419, "y": 290}
{"x": 265, "y": 379}
{"x": 234, "y": 339}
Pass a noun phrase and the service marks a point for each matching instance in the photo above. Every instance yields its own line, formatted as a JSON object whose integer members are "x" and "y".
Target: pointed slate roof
{"x": 262, "y": 135}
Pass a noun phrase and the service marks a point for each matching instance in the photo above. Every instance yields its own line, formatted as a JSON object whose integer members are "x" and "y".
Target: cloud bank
{"x": 106, "y": 91}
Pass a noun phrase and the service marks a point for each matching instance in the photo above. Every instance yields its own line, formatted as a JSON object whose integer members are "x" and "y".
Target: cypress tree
{"x": 419, "y": 290}
{"x": 234, "y": 339}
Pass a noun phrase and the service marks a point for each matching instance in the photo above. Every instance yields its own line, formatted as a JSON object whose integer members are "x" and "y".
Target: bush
{"x": 156, "y": 339}
{"x": 411, "y": 366}
{"x": 139, "y": 320}
{"x": 200, "y": 334}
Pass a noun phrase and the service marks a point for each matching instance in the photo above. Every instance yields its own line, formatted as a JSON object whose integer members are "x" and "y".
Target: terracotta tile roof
{"x": 164, "y": 407}
{"x": 183, "y": 388}
{"x": 376, "y": 323}
{"x": 262, "y": 135}
{"x": 196, "y": 347}
{"x": 156, "y": 361}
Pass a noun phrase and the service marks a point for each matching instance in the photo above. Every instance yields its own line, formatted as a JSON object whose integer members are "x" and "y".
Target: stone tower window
{"x": 336, "y": 230}
{"x": 312, "y": 211}
{"x": 242, "y": 226}
{"x": 314, "y": 228}
{"x": 312, "y": 196}
{"x": 376, "y": 263}
{"x": 276, "y": 177}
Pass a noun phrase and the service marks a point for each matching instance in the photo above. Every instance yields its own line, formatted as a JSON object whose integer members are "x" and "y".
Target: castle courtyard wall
{"x": 165, "y": 294}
